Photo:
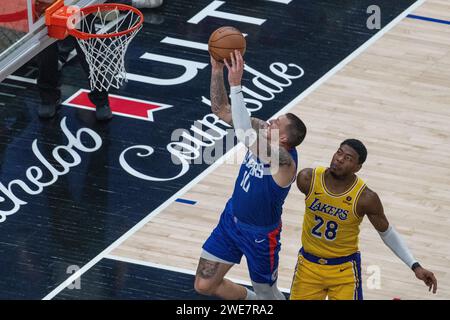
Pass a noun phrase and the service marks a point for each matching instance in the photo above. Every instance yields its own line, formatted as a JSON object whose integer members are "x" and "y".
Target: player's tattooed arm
{"x": 220, "y": 105}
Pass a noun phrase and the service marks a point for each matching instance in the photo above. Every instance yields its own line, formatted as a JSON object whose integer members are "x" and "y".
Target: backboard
{"x": 23, "y": 33}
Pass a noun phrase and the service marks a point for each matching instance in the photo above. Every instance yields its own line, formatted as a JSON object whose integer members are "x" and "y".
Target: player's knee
{"x": 204, "y": 286}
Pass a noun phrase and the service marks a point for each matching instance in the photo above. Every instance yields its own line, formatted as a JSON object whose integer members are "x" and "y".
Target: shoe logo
{"x": 259, "y": 241}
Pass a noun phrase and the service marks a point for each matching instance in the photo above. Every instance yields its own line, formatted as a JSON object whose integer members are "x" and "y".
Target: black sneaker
{"x": 47, "y": 111}
{"x": 103, "y": 113}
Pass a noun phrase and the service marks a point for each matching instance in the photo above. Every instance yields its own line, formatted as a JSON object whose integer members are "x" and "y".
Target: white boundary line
{"x": 149, "y": 264}
{"x": 211, "y": 168}
{"x": 174, "y": 269}
{"x": 22, "y": 79}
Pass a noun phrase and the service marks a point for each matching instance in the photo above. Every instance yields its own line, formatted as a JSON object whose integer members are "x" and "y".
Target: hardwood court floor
{"x": 394, "y": 97}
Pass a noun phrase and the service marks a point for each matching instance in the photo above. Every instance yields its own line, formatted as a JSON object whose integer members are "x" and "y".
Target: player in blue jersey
{"x": 250, "y": 224}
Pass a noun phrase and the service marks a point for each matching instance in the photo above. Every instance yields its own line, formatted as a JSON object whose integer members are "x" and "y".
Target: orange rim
{"x": 106, "y": 7}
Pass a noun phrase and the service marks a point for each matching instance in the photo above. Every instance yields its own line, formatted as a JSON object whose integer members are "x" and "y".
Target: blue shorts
{"x": 231, "y": 239}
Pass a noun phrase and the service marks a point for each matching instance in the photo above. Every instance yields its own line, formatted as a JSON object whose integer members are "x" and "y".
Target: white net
{"x": 106, "y": 55}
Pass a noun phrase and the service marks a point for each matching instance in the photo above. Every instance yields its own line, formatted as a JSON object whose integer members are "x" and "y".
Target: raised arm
{"x": 370, "y": 205}
{"x": 220, "y": 105}
{"x": 253, "y": 132}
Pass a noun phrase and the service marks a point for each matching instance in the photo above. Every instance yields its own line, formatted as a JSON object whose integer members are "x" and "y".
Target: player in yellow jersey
{"x": 329, "y": 263}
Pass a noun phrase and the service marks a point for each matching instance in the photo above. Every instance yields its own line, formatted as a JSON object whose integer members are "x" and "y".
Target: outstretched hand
{"x": 236, "y": 69}
{"x": 427, "y": 277}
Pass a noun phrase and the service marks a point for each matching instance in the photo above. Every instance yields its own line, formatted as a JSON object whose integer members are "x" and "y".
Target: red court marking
{"x": 123, "y": 106}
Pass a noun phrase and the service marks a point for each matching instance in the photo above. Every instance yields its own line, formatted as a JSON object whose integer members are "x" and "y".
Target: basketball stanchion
{"x": 103, "y": 32}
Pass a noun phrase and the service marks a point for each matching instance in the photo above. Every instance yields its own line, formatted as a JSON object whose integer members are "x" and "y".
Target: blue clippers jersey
{"x": 257, "y": 199}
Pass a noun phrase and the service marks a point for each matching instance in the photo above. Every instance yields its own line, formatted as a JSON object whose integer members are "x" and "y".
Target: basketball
{"x": 225, "y": 40}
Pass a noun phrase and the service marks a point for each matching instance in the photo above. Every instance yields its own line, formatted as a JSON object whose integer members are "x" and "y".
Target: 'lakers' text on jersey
{"x": 331, "y": 224}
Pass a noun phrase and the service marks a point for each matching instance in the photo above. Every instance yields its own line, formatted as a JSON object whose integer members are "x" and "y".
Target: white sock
{"x": 250, "y": 295}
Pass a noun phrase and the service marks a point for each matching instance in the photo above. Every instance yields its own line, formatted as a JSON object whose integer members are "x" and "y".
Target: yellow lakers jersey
{"x": 331, "y": 224}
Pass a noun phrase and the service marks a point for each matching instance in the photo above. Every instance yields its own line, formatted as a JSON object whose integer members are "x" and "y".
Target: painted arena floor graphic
{"x": 126, "y": 279}
{"x": 71, "y": 187}
{"x": 113, "y": 279}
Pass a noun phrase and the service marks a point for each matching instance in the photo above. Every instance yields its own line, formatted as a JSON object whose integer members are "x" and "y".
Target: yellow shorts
{"x": 322, "y": 278}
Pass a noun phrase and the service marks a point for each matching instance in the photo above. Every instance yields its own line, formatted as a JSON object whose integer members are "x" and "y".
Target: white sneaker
{"x": 146, "y": 3}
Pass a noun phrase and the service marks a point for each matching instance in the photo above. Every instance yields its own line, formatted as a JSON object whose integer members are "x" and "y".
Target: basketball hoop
{"x": 103, "y": 32}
